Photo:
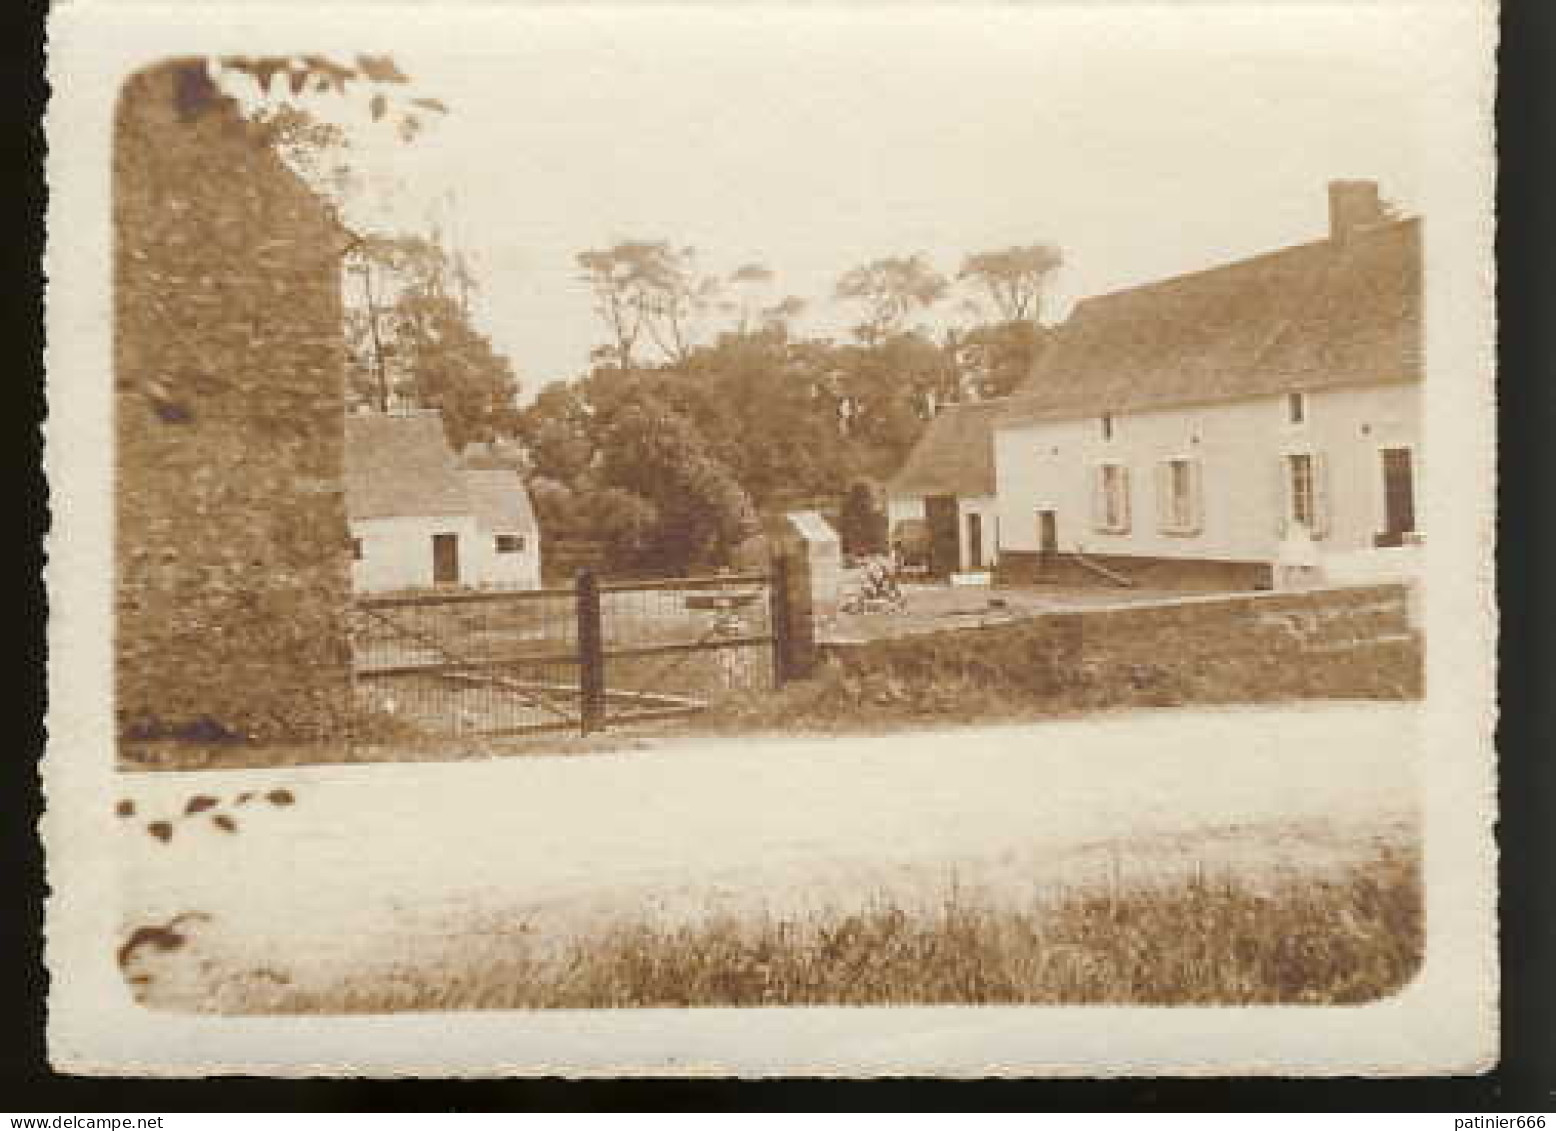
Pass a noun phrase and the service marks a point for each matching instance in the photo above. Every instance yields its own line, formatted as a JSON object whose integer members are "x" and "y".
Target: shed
{"x": 419, "y": 518}
{"x": 945, "y": 488}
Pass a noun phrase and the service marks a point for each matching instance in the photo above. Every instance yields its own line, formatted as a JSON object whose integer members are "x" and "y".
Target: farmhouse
{"x": 1178, "y": 434}
{"x": 947, "y": 485}
{"x": 420, "y": 518}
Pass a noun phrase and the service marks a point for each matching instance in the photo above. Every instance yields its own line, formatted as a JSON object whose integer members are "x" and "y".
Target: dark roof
{"x": 500, "y": 501}
{"x": 1308, "y": 317}
{"x": 954, "y": 455}
{"x": 401, "y": 465}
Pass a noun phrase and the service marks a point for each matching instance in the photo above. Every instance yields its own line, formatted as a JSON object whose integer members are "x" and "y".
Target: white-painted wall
{"x": 512, "y": 570}
{"x": 1239, "y": 446}
{"x": 397, "y": 552}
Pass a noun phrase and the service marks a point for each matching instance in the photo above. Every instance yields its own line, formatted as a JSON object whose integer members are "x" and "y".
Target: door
{"x": 445, "y": 559}
{"x": 974, "y": 543}
{"x": 944, "y": 535}
{"x": 1048, "y": 532}
{"x": 1399, "y": 495}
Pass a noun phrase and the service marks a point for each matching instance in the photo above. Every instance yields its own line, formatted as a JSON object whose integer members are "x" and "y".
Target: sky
{"x": 1143, "y": 142}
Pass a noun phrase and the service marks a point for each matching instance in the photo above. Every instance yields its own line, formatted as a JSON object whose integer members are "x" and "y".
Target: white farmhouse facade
{"x": 420, "y": 520}
{"x": 1187, "y": 432}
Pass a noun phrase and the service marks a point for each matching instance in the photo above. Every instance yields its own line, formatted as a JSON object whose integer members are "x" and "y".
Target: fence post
{"x": 591, "y": 654}
{"x": 798, "y": 611}
{"x": 778, "y": 615}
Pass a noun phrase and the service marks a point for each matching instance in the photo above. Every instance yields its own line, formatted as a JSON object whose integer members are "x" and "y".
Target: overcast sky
{"x": 1143, "y": 142}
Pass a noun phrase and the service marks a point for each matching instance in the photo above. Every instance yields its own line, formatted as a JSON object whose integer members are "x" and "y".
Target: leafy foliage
{"x": 994, "y": 359}
{"x": 757, "y": 418}
{"x": 861, "y": 525}
{"x": 653, "y": 451}
{"x": 891, "y": 290}
{"x": 412, "y": 342}
{"x": 1013, "y": 279}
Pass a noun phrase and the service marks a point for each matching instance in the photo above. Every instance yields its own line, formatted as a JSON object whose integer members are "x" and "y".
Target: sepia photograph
{"x": 799, "y": 511}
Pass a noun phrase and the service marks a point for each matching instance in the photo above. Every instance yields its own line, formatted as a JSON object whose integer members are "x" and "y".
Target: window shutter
{"x": 1099, "y": 500}
{"x": 1282, "y": 495}
{"x": 1320, "y": 496}
{"x": 1164, "y": 495}
{"x": 1196, "y": 497}
{"x": 1124, "y": 498}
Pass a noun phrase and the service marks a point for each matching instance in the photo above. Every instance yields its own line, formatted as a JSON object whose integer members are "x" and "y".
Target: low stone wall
{"x": 1019, "y": 567}
{"x": 1330, "y": 643}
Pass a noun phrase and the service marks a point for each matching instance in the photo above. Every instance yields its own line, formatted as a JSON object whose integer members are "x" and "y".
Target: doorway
{"x": 1399, "y": 496}
{"x": 975, "y": 543}
{"x": 944, "y": 534}
{"x": 1048, "y": 532}
{"x": 445, "y": 559}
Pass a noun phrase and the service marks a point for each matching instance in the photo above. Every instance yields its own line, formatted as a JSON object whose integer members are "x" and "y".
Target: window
{"x": 510, "y": 543}
{"x": 1296, "y": 407}
{"x": 1112, "y": 499}
{"x": 1178, "y": 496}
{"x": 1300, "y": 489}
{"x": 1107, "y": 425}
{"x": 356, "y": 549}
{"x": 1303, "y": 484}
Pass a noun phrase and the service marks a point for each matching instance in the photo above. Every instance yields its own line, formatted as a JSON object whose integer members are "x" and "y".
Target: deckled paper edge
{"x": 95, "y": 1028}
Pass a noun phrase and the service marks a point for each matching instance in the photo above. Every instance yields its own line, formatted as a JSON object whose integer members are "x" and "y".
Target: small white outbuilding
{"x": 420, "y": 519}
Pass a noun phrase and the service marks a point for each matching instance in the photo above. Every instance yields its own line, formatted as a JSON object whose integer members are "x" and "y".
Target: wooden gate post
{"x": 591, "y": 654}
{"x": 778, "y": 615}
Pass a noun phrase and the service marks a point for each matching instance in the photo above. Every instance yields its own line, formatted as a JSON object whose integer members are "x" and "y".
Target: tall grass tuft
{"x": 1307, "y": 940}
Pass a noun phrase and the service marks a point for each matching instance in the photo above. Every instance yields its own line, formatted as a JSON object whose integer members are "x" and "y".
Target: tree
{"x": 890, "y": 290}
{"x": 648, "y": 287}
{"x": 413, "y": 342}
{"x": 782, "y": 314}
{"x": 455, "y": 369}
{"x": 616, "y": 278}
{"x": 1013, "y": 279}
{"x": 749, "y": 285}
{"x": 652, "y": 451}
{"x": 994, "y": 360}
{"x": 861, "y": 524}
{"x": 559, "y": 450}
{"x": 318, "y": 74}
{"x": 679, "y": 296}
{"x": 316, "y": 150}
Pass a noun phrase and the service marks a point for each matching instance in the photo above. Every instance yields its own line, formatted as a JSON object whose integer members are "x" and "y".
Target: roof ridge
{"x": 1247, "y": 260}
{"x": 1307, "y": 316}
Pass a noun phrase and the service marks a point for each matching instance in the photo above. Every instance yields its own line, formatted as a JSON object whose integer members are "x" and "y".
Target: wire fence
{"x": 585, "y": 657}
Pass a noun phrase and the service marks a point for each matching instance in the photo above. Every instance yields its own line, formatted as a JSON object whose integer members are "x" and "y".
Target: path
{"x": 389, "y": 859}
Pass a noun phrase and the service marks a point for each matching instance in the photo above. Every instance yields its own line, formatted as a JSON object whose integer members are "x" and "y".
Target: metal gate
{"x": 584, "y": 658}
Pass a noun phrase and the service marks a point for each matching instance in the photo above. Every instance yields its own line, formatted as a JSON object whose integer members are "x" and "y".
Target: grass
{"x": 1347, "y": 939}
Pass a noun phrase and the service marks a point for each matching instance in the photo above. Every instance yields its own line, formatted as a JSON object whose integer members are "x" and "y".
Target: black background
{"x": 1526, "y": 1078}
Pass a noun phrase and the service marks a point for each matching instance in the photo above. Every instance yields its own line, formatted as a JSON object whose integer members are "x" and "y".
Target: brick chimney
{"x": 1353, "y": 207}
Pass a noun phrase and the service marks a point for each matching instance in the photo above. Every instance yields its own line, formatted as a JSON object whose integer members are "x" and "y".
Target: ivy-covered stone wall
{"x": 233, "y": 583}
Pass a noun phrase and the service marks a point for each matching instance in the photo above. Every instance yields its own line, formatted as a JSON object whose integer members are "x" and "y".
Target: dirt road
{"x": 356, "y": 862}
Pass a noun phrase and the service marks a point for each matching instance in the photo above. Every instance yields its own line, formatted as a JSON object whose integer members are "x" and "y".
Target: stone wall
{"x": 1330, "y": 643}
{"x": 1027, "y": 567}
{"x": 231, "y": 552}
